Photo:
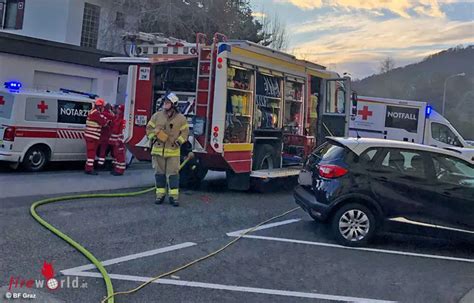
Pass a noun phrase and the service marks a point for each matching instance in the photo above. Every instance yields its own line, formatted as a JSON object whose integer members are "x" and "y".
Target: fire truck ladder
{"x": 207, "y": 55}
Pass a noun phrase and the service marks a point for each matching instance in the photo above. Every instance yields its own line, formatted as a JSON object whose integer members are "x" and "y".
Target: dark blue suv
{"x": 360, "y": 185}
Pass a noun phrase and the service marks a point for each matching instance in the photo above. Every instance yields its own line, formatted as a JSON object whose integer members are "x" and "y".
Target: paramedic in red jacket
{"x": 105, "y": 134}
{"x": 95, "y": 121}
{"x": 117, "y": 142}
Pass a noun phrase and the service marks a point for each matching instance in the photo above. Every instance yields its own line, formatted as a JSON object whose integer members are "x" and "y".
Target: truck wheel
{"x": 36, "y": 158}
{"x": 265, "y": 157}
{"x": 263, "y": 185}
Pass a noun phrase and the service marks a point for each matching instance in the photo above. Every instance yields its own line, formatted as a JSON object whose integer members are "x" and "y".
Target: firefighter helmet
{"x": 172, "y": 98}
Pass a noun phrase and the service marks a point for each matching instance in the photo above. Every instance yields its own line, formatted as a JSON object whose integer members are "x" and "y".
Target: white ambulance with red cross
{"x": 406, "y": 120}
{"x": 41, "y": 126}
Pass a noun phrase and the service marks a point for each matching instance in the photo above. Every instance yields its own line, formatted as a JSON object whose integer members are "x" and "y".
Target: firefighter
{"x": 116, "y": 141}
{"x": 105, "y": 134}
{"x": 167, "y": 130}
{"x": 95, "y": 121}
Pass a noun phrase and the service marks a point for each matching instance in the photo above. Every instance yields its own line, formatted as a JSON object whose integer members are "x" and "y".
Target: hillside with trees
{"x": 424, "y": 81}
{"x": 184, "y": 18}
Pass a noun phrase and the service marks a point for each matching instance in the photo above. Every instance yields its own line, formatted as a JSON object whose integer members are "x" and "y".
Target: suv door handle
{"x": 383, "y": 179}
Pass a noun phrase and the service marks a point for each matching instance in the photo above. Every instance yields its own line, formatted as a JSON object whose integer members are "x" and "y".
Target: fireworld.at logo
{"x": 51, "y": 283}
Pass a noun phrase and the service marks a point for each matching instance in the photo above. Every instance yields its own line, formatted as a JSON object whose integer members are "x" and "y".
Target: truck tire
{"x": 36, "y": 158}
{"x": 265, "y": 157}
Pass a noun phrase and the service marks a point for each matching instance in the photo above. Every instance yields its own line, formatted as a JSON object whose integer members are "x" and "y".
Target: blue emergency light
{"x": 13, "y": 85}
{"x": 428, "y": 110}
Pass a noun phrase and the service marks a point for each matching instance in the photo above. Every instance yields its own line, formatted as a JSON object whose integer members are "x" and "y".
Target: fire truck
{"x": 255, "y": 112}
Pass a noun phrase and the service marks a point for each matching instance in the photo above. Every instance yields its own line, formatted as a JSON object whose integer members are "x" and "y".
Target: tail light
{"x": 9, "y": 134}
{"x": 330, "y": 171}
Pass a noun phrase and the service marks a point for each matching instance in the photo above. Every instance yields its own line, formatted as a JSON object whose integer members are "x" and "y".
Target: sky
{"x": 354, "y": 36}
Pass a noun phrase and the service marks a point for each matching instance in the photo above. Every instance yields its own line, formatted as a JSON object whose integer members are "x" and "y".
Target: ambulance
{"x": 37, "y": 127}
{"x": 406, "y": 120}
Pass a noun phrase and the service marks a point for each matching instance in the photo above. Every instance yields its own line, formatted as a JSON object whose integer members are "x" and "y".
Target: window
{"x": 73, "y": 112}
{"x": 368, "y": 156}
{"x": 13, "y": 10}
{"x": 404, "y": 162}
{"x": 120, "y": 20}
{"x": 326, "y": 152}
{"x": 442, "y": 133}
{"x": 90, "y": 25}
{"x": 453, "y": 171}
{"x": 335, "y": 97}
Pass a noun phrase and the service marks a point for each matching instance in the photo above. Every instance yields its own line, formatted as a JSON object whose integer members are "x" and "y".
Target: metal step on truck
{"x": 255, "y": 113}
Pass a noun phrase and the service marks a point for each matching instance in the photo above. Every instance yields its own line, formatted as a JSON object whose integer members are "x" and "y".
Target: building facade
{"x": 89, "y": 23}
{"x": 45, "y": 65}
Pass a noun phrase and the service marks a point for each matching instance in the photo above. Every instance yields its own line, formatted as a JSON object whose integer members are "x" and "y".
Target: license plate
{"x": 305, "y": 178}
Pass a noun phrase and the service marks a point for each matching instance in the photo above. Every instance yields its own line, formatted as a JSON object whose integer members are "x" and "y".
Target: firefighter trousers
{"x": 119, "y": 154}
{"x": 91, "y": 146}
{"x": 103, "y": 147}
{"x": 166, "y": 176}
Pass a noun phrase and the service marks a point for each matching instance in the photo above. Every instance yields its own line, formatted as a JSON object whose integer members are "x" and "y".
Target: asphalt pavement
{"x": 292, "y": 259}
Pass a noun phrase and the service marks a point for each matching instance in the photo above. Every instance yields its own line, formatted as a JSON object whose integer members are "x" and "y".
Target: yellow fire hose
{"x": 108, "y": 283}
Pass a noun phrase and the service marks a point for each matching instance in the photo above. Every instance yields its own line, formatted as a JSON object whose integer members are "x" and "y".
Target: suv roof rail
{"x": 453, "y": 150}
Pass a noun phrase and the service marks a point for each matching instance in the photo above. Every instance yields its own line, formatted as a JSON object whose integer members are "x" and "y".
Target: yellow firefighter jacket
{"x": 176, "y": 130}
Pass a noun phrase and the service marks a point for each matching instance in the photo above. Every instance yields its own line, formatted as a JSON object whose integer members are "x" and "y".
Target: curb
{"x": 468, "y": 297}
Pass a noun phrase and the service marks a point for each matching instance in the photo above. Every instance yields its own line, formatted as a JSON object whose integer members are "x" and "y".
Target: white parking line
{"x": 265, "y": 226}
{"x": 75, "y": 270}
{"x": 266, "y": 291}
{"x": 385, "y": 251}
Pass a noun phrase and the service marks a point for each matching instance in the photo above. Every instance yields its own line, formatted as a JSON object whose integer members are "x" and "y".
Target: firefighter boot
{"x": 173, "y": 182}
{"x": 173, "y": 202}
{"x": 160, "y": 183}
{"x": 160, "y": 200}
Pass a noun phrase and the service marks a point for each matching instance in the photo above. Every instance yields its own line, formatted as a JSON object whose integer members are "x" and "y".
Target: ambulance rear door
{"x": 6, "y": 109}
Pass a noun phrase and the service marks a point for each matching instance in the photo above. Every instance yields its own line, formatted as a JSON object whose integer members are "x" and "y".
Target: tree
{"x": 183, "y": 19}
{"x": 274, "y": 32}
{"x": 117, "y": 17}
{"x": 387, "y": 65}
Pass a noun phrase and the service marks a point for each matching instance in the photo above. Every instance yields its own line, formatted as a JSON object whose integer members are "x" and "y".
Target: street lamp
{"x": 444, "y": 92}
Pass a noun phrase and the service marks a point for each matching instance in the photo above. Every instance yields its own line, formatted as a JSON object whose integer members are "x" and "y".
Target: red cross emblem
{"x": 42, "y": 106}
{"x": 365, "y": 112}
{"x": 2, "y": 101}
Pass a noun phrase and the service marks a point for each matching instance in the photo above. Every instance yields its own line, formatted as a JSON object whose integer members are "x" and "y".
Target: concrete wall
{"x": 61, "y": 21}
{"x": 45, "y": 74}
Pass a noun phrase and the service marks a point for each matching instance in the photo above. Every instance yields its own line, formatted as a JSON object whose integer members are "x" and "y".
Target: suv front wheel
{"x": 353, "y": 225}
